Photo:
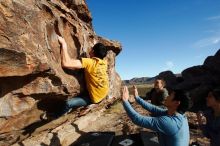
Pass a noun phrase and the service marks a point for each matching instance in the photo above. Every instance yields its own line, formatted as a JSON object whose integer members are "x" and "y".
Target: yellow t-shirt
{"x": 96, "y": 78}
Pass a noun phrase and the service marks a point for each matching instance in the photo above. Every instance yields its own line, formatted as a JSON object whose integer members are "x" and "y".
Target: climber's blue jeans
{"x": 77, "y": 102}
{"x": 74, "y": 103}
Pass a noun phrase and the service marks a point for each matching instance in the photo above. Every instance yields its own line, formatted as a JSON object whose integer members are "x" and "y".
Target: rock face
{"x": 32, "y": 79}
{"x": 169, "y": 77}
{"x": 197, "y": 80}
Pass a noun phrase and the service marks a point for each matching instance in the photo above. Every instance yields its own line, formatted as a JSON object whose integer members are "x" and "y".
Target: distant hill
{"x": 142, "y": 80}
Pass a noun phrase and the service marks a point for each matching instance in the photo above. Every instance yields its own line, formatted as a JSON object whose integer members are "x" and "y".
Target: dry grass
{"x": 142, "y": 89}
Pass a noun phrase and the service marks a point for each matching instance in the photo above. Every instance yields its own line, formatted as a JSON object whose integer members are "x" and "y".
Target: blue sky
{"x": 158, "y": 35}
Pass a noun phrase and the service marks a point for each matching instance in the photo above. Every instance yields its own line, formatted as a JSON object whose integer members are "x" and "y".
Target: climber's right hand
{"x": 61, "y": 40}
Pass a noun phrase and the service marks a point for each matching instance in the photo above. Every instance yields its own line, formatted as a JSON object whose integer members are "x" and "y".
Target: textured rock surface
{"x": 31, "y": 76}
{"x": 169, "y": 77}
{"x": 197, "y": 80}
{"x": 113, "y": 119}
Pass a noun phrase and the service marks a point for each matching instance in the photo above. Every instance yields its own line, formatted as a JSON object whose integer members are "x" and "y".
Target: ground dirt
{"x": 116, "y": 120}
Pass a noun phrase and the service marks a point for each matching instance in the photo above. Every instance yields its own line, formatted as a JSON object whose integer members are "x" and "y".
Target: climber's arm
{"x": 66, "y": 60}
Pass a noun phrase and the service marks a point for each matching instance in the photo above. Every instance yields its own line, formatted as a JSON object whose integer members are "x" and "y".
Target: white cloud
{"x": 209, "y": 31}
{"x": 207, "y": 42}
{"x": 169, "y": 64}
{"x": 199, "y": 56}
{"x": 214, "y": 17}
{"x": 216, "y": 41}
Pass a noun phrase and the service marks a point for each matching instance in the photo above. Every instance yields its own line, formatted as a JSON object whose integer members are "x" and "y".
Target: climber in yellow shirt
{"x": 96, "y": 76}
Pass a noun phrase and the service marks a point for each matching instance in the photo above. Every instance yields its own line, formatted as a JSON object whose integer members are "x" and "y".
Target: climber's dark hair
{"x": 183, "y": 97}
{"x": 100, "y": 50}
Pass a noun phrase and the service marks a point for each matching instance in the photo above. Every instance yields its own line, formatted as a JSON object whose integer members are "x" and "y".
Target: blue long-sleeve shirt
{"x": 173, "y": 130}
